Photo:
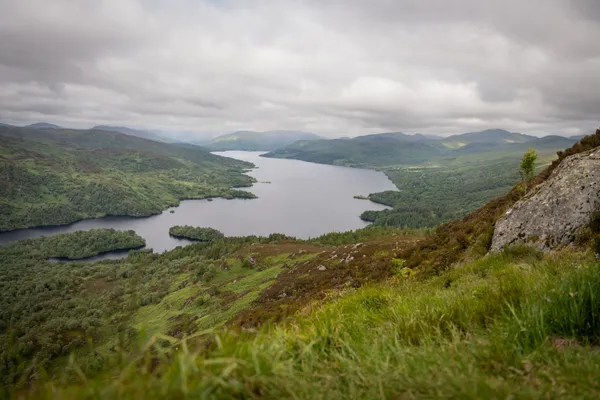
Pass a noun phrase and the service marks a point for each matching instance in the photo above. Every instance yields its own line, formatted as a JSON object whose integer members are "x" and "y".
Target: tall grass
{"x": 484, "y": 330}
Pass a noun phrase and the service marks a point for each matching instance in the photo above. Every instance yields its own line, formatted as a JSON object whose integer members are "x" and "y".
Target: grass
{"x": 519, "y": 324}
{"x": 210, "y": 304}
{"x": 252, "y": 281}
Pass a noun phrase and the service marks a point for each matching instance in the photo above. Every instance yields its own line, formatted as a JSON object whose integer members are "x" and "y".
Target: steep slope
{"x": 472, "y": 235}
{"x": 257, "y": 141}
{"x": 58, "y": 176}
{"x": 48, "y": 311}
{"x": 559, "y": 208}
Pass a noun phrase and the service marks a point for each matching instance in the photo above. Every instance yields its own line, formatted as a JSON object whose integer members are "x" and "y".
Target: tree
{"x": 528, "y": 164}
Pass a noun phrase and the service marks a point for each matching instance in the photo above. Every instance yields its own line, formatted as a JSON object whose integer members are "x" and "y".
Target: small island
{"x": 77, "y": 245}
{"x": 195, "y": 233}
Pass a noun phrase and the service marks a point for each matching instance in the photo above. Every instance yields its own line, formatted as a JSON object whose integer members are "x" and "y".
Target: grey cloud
{"x": 336, "y": 67}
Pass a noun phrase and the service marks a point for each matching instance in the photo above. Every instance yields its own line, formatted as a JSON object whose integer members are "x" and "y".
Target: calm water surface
{"x": 302, "y": 200}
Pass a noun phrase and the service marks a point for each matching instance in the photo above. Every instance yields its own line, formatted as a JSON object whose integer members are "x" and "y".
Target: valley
{"x": 303, "y": 200}
{"x": 275, "y": 311}
{"x": 300, "y": 201}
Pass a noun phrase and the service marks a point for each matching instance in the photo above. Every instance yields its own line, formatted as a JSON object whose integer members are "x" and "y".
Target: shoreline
{"x": 121, "y": 249}
{"x": 52, "y": 226}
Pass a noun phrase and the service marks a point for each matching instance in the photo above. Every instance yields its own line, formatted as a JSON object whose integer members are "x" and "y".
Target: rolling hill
{"x": 489, "y": 136}
{"x": 43, "y": 125}
{"x": 59, "y": 176}
{"x": 132, "y": 132}
{"x": 257, "y": 141}
{"x": 387, "y": 149}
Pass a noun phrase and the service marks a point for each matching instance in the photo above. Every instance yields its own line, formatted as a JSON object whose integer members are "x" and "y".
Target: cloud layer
{"x": 336, "y": 67}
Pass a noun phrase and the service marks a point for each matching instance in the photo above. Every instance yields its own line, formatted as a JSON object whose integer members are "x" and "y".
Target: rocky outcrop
{"x": 553, "y": 212}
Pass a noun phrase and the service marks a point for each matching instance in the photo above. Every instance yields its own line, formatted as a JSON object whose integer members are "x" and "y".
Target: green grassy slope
{"x": 516, "y": 325}
{"x": 49, "y": 311}
{"x": 58, "y": 176}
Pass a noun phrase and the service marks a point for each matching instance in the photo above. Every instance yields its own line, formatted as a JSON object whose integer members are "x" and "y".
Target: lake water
{"x": 302, "y": 200}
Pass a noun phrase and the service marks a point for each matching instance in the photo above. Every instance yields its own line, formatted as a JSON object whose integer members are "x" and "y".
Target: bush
{"x": 209, "y": 274}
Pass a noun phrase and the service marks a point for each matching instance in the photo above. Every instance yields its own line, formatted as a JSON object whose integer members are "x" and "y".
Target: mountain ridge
{"x": 400, "y": 148}
{"x": 257, "y": 140}
{"x": 144, "y": 134}
{"x": 43, "y": 125}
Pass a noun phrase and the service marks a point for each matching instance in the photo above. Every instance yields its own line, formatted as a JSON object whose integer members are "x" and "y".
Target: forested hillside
{"x": 72, "y": 246}
{"x": 58, "y": 176}
{"x": 437, "y": 179}
{"x": 195, "y": 233}
{"x": 49, "y": 310}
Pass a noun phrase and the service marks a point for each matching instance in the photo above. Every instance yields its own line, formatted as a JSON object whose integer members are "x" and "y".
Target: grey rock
{"x": 549, "y": 216}
{"x": 322, "y": 268}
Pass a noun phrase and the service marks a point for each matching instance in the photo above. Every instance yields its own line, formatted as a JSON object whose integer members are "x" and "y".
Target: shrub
{"x": 209, "y": 274}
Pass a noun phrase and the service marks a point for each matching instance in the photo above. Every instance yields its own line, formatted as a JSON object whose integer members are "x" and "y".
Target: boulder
{"x": 550, "y": 215}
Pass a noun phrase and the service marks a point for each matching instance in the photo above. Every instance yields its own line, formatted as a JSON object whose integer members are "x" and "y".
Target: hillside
{"x": 389, "y": 149}
{"x": 438, "y": 180}
{"x": 421, "y": 316}
{"x": 58, "y": 176}
{"x": 132, "y": 132}
{"x": 257, "y": 141}
{"x": 489, "y": 136}
{"x": 43, "y": 125}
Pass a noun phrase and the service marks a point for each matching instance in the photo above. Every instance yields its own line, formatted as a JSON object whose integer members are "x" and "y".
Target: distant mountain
{"x": 257, "y": 141}
{"x": 431, "y": 137}
{"x": 131, "y": 132}
{"x": 364, "y": 151}
{"x": 554, "y": 141}
{"x": 398, "y": 136}
{"x": 3, "y": 124}
{"x": 43, "y": 125}
{"x": 396, "y": 148}
{"x": 490, "y": 136}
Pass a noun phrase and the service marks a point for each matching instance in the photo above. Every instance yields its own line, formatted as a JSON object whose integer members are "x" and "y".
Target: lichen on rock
{"x": 552, "y": 213}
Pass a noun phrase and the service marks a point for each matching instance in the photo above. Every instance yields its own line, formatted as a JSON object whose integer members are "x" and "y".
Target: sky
{"x": 333, "y": 67}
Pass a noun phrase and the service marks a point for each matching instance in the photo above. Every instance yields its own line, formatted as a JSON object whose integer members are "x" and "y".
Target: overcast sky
{"x": 334, "y": 67}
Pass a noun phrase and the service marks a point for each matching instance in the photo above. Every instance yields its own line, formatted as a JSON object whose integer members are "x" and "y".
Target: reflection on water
{"x": 295, "y": 198}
